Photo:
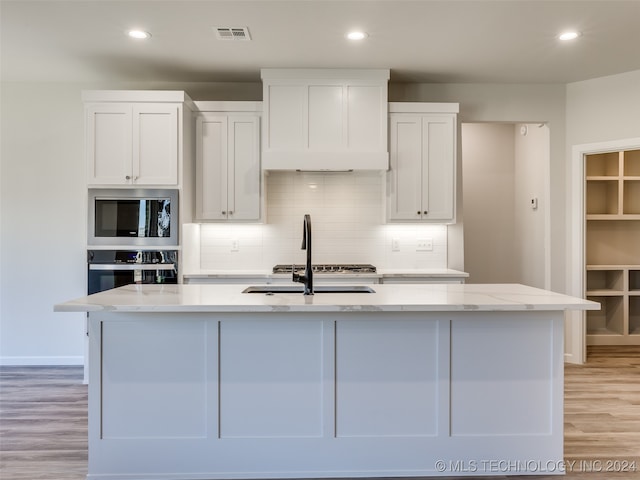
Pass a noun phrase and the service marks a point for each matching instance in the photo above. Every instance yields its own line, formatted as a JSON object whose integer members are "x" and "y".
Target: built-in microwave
{"x": 133, "y": 217}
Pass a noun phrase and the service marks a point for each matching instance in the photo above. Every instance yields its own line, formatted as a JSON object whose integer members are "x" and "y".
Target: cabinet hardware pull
{"x": 230, "y": 212}
{"x": 128, "y": 177}
{"x": 224, "y": 213}
{"x": 418, "y": 212}
{"x": 425, "y": 212}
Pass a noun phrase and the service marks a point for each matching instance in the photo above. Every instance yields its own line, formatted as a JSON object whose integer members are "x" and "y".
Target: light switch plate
{"x": 395, "y": 245}
{"x": 424, "y": 245}
{"x": 235, "y": 245}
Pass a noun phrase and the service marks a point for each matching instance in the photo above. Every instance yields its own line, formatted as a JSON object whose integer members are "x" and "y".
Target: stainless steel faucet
{"x": 307, "y": 278}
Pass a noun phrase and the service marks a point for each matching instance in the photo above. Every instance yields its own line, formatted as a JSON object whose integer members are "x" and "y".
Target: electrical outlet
{"x": 424, "y": 245}
{"x": 235, "y": 245}
{"x": 395, "y": 245}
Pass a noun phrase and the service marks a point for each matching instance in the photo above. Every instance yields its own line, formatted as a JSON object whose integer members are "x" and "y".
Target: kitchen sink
{"x": 271, "y": 289}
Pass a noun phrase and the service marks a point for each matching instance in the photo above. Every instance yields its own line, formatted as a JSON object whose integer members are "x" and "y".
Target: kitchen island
{"x": 206, "y": 382}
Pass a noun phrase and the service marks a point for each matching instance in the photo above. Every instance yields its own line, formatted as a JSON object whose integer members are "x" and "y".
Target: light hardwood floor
{"x": 43, "y": 415}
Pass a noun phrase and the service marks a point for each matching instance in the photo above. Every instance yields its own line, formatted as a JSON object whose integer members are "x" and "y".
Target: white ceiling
{"x": 508, "y": 41}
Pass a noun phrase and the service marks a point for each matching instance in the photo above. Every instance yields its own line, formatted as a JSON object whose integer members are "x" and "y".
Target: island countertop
{"x": 387, "y": 298}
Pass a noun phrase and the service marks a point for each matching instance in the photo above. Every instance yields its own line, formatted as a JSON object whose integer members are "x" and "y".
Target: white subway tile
{"x": 347, "y": 218}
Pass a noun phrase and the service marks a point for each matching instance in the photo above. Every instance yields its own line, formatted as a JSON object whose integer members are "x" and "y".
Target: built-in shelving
{"x": 612, "y": 225}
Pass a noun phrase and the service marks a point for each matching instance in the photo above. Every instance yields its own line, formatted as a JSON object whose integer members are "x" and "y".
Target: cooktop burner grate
{"x": 329, "y": 268}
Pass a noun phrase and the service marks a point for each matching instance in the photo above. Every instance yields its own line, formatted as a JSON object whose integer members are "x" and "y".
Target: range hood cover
{"x": 325, "y": 119}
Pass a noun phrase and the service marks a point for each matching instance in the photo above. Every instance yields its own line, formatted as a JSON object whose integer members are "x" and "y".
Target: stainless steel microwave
{"x": 133, "y": 217}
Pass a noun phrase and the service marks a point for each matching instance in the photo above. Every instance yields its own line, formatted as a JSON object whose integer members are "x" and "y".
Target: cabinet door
{"x": 155, "y": 144}
{"x": 243, "y": 168}
{"x": 211, "y": 167}
{"x": 421, "y": 180}
{"x": 108, "y": 144}
{"x": 438, "y": 167}
{"x": 366, "y": 117}
{"x": 287, "y": 118}
{"x": 404, "y": 179}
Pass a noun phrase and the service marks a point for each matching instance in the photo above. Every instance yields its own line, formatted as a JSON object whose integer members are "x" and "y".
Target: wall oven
{"x": 133, "y": 217}
{"x": 114, "y": 268}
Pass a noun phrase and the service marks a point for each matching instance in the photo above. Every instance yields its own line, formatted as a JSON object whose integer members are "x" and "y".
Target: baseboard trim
{"x": 24, "y": 361}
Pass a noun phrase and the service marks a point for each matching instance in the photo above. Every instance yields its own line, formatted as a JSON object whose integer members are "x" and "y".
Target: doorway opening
{"x": 612, "y": 216}
{"x": 505, "y": 198}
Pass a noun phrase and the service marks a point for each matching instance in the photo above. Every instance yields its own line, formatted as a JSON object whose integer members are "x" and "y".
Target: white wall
{"x": 531, "y": 161}
{"x": 43, "y": 233}
{"x": 43, "y": 245}
{"x": 603, "y": 109}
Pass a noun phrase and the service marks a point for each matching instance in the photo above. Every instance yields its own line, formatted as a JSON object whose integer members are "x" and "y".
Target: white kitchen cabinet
{"x": 325, "y": 119}
{"x": 132, "y": 144}
{"x": 422, "y": 176}
{"x": 228, "y": 175}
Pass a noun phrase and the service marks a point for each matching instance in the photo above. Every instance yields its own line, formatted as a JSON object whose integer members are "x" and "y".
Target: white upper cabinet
{"x": 228, "y": 175}
{"x": 155, "y": 144}
{"x": 324, "y": 119}
{"x": 422, "y": 176}
{"x": 132, "y": 143}
{"x": 109, "y": 144}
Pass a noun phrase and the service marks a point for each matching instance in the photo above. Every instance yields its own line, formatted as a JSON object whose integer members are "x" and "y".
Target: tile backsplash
{"x": 347, "y": 214}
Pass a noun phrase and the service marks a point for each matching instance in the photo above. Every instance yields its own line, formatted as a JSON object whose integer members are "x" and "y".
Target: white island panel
{"x": 271, "y": 379}
{"x": 387, "y": 375}
{"x": 507, "y": 375}
{"x": 154, "y": 377}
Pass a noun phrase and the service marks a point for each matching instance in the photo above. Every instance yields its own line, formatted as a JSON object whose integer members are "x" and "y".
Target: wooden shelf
{"x": 610, "y": 318}
{"x": 631, "y": 161}
{"x": 603, "y": 197}
{"x": 603, "y": 164}
{"x": 621, "y": 217}
{"x": 612, "y": 227}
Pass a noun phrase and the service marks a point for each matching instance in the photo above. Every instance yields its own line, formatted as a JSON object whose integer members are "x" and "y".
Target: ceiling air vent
{"x": 232, "y": 33}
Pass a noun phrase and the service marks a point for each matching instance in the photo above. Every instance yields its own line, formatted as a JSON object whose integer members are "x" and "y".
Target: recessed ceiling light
{"x": 140, "y": 34}
{"x": 569, "y": 35}
{"x": 357, "y": 35}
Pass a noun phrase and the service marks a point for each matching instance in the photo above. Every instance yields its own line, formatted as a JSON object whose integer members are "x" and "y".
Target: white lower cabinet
{"x": 228, "y": 176}
{"x": 422, "y": 175}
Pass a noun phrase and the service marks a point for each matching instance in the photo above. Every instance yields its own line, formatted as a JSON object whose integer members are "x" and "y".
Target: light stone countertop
{"x": 432, "y": 272}
{"x": 381, "y": 273}
{"x": 387, "y": 298}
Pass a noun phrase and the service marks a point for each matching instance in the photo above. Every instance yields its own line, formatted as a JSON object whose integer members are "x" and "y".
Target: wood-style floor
{"x": 43, "y": 423}
{"x": 43, "y": 417}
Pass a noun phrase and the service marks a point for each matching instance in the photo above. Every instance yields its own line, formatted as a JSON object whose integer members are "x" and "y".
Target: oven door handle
{"x": 132, "y": 266}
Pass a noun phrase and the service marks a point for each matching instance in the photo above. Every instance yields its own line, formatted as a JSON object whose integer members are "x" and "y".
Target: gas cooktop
{"x": 329, "y": 268}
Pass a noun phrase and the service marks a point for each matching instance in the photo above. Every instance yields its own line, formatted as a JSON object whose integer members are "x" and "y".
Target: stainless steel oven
{"x": 132, "y": 217}
{"x": 114, "y": 268}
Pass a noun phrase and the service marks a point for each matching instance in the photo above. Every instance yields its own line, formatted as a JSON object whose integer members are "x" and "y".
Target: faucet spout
{"x": 307, "y": 278}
